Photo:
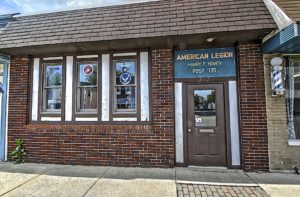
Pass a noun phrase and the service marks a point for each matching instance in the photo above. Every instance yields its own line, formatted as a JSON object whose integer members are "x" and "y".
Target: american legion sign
{"x": 205, "y": 63}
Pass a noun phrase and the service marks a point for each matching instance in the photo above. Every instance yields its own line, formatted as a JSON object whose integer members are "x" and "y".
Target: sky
{"x": 29, "y": 7}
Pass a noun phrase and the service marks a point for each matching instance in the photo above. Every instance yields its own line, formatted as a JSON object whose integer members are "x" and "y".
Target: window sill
{"x": 294, "y": 142}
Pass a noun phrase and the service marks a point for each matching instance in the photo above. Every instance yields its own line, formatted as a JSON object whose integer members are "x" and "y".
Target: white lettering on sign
{"x": 200, "y": 70}
{"x": 212, "y": 70}
{"x": 193, "y": 56}
{"x": 203, "y": 56}
{"x": 217, "y": 63}
{"x": 195, "y": 64}
{"x": 222, "y": 55}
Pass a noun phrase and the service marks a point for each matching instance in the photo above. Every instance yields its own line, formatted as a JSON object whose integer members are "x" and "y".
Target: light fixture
{"x": 210, "y": 39}
{"x": 276, "y": 61}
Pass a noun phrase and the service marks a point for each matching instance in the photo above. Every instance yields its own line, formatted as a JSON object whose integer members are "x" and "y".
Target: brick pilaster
{"x": 253, "y": 118}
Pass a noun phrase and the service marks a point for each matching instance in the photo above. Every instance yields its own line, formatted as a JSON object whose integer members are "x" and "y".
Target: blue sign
{"x": 125, "y": 78}
{"x": 205, "y": 63}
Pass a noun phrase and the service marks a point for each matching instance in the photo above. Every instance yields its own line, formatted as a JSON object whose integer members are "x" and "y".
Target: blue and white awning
{"x": 286, "y": 41}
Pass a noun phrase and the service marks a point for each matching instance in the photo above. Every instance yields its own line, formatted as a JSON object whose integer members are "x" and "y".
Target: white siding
{"x": 69, "y": 88}
{"x": 105, "y": 87}
{"x": 234, "y": 124}
{"x": 35, "y": 89}
{"x": 50, "y": 118}
{"x": 53, "y": 58}
{"x": 144, "y": 84}
{"x": 124, "y": 54}
{"x": 6, "y": 121}
{"x": 124, "y": 119}
{"x": 86, "y": 119}
{"x": 87, "y": 56}
{"x": 179, "y": 123}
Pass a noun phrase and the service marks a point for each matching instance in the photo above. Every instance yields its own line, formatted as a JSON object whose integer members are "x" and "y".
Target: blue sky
{"x": 28, "y": 7}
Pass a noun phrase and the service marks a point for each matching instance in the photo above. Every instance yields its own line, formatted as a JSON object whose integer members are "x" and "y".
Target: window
{"x": 52, "y": 87}
{"x": 125, "y": 86}
{"x": 293, "y": 97}
{"x": 1, "y": 73}
{"x": 205, "y": 108}
{"x": 98, "y": 88}
{"x": 87, "y": 87}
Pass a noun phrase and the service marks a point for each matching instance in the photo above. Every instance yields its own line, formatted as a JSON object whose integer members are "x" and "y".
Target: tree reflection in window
{"x": 205, "y": 107}
{"x": 125, "y": 86}
{"x": 87, "y": 91}
{"x": 52, "y": 90}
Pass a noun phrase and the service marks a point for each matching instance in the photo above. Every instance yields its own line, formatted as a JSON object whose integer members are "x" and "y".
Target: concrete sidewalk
{"x": 59, "y": 180}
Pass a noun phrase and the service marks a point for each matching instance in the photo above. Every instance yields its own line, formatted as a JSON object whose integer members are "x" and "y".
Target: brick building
{"x": 157, "y": 84}
{"x": 281, "y": 50}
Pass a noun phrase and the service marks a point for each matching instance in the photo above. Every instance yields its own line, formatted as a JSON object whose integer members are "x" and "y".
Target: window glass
{"x": 87, "y": 74}
{"x": 52, "y": 93}
{"x": 125, "y": 73}
{"x": 205, "y": 108}
{"x": 53, "y": 98}
{"x": 125, "y": 86}
{"x": 1, "y": 68}
{"x": 87, "y": 92}
{"x": 53, "y": 75}
{"x": 293, "y": 97}
{"x": 125, "y": 97}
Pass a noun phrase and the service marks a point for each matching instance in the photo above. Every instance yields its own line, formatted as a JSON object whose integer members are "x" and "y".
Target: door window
{"x": 205, "y": 108}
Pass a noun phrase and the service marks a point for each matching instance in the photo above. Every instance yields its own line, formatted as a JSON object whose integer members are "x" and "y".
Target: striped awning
{"x": 286, "y": 41}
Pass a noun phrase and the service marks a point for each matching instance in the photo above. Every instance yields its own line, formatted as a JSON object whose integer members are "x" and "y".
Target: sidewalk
{"x": 58, "y": 180}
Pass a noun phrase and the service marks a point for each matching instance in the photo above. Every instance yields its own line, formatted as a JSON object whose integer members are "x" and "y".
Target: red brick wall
{"x": 149, "y": 145}
{"x": 18, "y": 98}
{"x": 253, "y": 118}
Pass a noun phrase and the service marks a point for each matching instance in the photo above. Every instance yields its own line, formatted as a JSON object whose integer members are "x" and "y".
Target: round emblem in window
{"x": 88, "y": 69}
{"x": 125, "y": 78}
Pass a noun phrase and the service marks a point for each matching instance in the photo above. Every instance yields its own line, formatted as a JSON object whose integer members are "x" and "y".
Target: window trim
{"x": 296, "y": 141}
{"x": 57, "y": 113}
{"x": 77, "y": 86}
{"x": 137, "y": 112}
{"x": 86, "y": 113}
{"x": 115, "y": 86}
{"x": 46, "y": 87}
{"x": 133, "y": 54}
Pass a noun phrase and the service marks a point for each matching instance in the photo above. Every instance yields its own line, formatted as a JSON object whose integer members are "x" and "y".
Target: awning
{"x": 285, "y": 41}
{"x": 4, "y": 58}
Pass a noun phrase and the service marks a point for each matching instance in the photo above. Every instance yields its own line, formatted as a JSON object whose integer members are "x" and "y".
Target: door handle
{"x": 189, "y": 130}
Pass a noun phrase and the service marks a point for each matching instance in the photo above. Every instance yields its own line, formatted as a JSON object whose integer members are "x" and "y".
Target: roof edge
{"x": 282, "y": 20}
{"x": 91, "y": 7}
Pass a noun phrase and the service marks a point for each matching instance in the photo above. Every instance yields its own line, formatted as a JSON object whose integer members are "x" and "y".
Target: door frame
{"x": 4, "y": 59}
{"x": 226, "y": 118}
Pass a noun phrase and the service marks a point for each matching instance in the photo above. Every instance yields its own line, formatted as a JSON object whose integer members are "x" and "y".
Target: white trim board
{"x": 50, "y": 118}
{"x": 6, "y": 118}
{"x": 179, "y": 123}
{"x": 144, "y": 86}
{"x": 234, "y": 124}
{"x": 69, "y": 89}
{"x": 105, "y": 86}
{"x": 35, "y": 89}
{"x": 86, "y": 119}
{"x": 294, "y": 142}
{"x": 124, "y": 119}
{"x": 52, "y": 58}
